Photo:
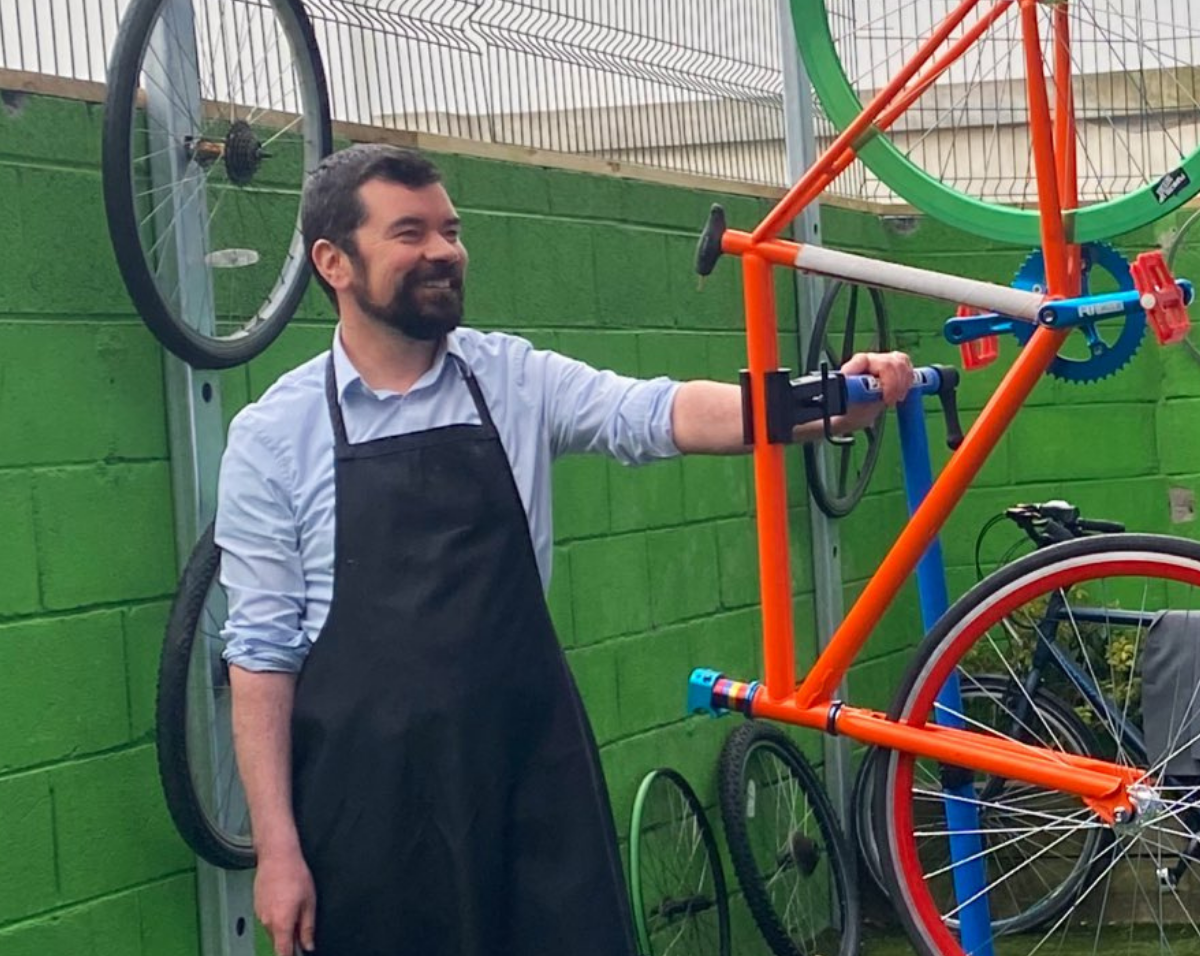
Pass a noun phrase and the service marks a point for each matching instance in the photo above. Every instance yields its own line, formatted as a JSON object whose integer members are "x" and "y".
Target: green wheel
{"x": 680, "y": 907}
{"x": 961, "y": 153}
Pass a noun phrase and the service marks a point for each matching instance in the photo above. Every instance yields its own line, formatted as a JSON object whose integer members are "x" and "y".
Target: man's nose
{"x": 441, "y": 249}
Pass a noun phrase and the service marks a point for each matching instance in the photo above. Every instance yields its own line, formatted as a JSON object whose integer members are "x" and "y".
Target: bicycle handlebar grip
{"x": 708, "y": 249}
{"x": 1054, "y": 531}
{"x": 864, "y": 389}
{"x": 939, "y": 380}
{"x": 1101, "y": 527}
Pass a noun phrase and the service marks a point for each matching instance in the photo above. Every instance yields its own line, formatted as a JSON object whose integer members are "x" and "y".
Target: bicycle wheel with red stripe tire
{"x": 1126, "y": 611}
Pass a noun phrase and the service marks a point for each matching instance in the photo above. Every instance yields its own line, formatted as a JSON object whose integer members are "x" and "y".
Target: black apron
{"x": 447, "y": 789}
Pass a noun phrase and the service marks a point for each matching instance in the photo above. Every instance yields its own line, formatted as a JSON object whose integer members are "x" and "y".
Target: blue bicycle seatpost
{"x": 958, "y": 789}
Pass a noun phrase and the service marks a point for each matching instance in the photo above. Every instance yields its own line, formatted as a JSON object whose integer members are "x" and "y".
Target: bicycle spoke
{"x": 848, "y": 335}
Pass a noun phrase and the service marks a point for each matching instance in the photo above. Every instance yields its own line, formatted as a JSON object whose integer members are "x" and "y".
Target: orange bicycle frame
{"x": 811, "y": 704}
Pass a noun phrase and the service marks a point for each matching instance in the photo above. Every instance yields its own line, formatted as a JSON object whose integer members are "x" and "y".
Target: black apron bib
{"x": 447, "y": 789}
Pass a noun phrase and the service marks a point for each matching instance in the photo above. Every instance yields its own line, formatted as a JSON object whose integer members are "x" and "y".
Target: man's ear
{"x": 332, "y": 264}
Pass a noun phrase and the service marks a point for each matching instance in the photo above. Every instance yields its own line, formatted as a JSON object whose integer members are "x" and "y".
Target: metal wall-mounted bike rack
{"x": 195, "y": 428}
{"x": 801, "y": 140}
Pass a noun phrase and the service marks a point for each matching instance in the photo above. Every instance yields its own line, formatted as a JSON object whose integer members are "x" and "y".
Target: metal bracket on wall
{"x": 801, "y": 140}
{"x": 195, "y": 427}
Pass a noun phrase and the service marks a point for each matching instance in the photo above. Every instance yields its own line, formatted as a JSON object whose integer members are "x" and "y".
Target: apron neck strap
{"x": 335, "y": 406}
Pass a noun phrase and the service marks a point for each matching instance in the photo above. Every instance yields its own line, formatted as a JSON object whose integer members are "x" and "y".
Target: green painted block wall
{"x": 655, "y": 568}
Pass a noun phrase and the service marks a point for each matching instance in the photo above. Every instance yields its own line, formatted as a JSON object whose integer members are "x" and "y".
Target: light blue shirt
{"x": 275, "y": 505}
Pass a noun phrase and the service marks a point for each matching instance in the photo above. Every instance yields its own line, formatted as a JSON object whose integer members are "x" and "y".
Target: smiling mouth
{"x": 440, "y": 284}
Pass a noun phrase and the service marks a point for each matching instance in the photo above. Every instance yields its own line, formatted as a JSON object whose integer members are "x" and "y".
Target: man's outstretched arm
{"x": 706, "y": 417}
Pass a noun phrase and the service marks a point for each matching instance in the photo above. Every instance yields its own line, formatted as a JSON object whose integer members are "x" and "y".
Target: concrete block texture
{"x": 63, "y": 680}
{"x": 104, "y": 533}
{"x": 105, "y": 405}
{"x": 655, "y": 568}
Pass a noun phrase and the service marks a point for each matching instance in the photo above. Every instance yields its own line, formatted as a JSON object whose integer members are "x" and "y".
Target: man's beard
{"x": 418, "y": 311}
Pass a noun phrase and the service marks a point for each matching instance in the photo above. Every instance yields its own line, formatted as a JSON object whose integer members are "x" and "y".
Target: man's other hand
{"x": 285, "y": 901}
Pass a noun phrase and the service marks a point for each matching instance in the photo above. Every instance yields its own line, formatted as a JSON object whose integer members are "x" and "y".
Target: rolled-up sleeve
{"x": 261, "y": 568}
{"x": 592, "y": 410}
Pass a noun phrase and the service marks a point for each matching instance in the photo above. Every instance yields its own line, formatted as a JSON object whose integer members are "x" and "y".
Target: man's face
{"x": 409, "y": 270}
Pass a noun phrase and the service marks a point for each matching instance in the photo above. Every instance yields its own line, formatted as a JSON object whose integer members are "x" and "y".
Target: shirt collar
{"x": 346, "y": 375}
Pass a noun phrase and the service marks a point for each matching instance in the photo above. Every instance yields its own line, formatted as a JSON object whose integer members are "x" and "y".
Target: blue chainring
{"x": 1106, "y": 359}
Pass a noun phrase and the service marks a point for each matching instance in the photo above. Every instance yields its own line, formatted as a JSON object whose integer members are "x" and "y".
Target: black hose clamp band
{"x": 831, "y": 718}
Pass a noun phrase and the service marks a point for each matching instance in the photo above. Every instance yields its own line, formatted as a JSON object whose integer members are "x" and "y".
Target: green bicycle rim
{"x": 673, "y": 780}
{"x": 842, "y": 106}
{"x": 635, "y": 860}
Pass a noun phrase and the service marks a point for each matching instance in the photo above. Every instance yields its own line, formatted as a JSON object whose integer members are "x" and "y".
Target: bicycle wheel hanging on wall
{"x": 791, "y": 860}
{"x": 961, "y": 155}
{"x": 680, "y": 905}
{"x": 216, "y": 110}
{"x": 850, "y": 319}
{"x": 1125, "y": 608}
{"x": 194, "y": 720}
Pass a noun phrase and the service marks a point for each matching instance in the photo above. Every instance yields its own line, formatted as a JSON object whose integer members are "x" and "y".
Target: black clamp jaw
{"x": 793, "y": 402}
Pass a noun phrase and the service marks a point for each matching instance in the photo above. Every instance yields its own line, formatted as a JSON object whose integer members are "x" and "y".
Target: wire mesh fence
{"x": 678, "y": 85}
{"x": 696, "y": 87}
{"x": 658, "y": 84}
{"x": 1134, "y": 68}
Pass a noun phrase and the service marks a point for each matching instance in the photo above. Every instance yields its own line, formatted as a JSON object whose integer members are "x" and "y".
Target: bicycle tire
{"x": 927, "y": 189}
{"x": 1110, "y": 585}
{"x": 862, "y": 821}
{"x": 838, "y": 501}
{"x": 656, "y": 916}
{"x": 215, "y": 827}
{"x": 236, "y": 279}
{"x": 1066, "y": 728}
{"x": 804, "y": 850}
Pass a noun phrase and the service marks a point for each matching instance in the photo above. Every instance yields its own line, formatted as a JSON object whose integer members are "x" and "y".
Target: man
{"x": 421, "y": 776}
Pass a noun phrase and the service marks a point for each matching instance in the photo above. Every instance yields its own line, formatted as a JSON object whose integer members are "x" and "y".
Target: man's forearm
{"x": 707, "y": 418}
{"x": 262, "y": 716}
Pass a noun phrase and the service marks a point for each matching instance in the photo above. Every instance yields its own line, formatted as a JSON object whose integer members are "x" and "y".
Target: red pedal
{"x": 1161, "y": 298}
{"x": 978, "y": 353}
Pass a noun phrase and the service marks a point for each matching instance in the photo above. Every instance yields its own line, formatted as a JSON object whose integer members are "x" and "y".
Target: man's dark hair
{"x": 331, "y": 208}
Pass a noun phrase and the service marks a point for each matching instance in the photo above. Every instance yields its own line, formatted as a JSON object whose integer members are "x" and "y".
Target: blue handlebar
{"x": 939, "y": 380}
{"x": 862, "y": 389}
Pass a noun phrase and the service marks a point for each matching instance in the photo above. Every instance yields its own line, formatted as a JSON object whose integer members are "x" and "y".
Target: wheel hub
{"x": 804, "y": 852}
{"x": 243, "y": 153}
{"x": 1148, "y": 808}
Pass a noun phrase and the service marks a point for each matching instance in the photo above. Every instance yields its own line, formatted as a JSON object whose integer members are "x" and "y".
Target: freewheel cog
{"x": 243, "y": 153}
{"x": 1107, "y": 355}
